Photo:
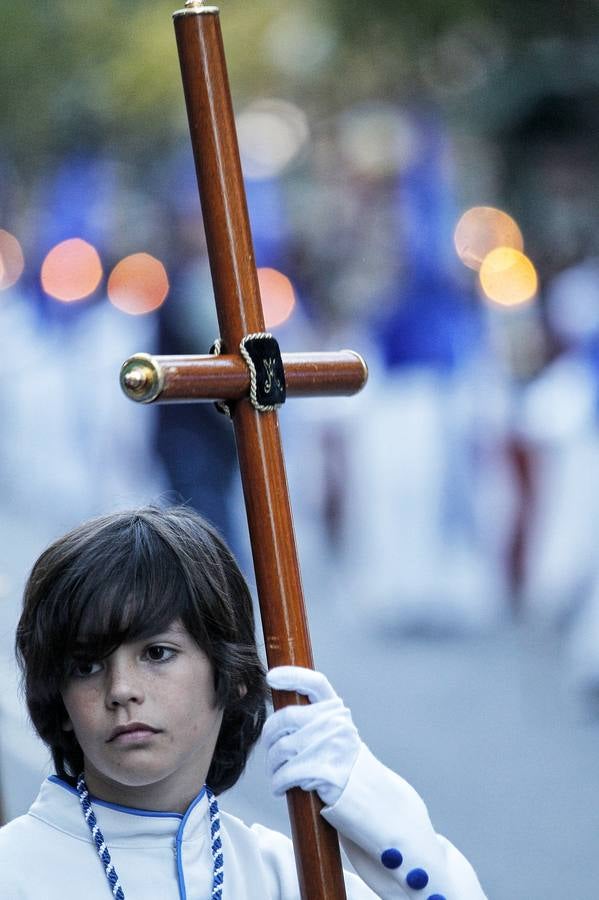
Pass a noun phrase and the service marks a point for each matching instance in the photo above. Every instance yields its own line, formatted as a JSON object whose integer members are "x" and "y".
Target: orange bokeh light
{"x": 483, "y": 229}
{"x": 278, "y": 296}
{"x": 508, "y": 277}
{"x": 71, "y": 270}
{"x": 138, "y": 284}
{"x": 11, "y": 260}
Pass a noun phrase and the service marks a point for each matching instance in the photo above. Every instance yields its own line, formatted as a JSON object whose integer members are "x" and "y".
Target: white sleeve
{"x": 386, "y": 832}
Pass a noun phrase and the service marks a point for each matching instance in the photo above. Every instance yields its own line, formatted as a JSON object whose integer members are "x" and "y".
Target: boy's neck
{"x": 168, "y": 795}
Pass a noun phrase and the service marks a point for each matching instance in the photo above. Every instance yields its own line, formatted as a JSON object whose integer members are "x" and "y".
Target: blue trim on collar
{"x": 178, "y": 841}
{"x": 131, "y": 810}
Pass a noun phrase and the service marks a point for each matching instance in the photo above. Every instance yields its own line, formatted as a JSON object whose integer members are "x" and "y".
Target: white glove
{"x": 312, "y": 747}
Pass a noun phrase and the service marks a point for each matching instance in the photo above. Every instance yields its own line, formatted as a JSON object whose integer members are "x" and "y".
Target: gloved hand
{"x": 312, "y": 747}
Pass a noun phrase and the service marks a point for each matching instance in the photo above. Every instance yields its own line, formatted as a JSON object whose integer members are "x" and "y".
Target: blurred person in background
{"x": 413, "y": 543}
{"x": 71, "y": 445}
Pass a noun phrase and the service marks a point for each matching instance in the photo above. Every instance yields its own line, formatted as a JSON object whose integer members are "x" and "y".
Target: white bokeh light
{"x": 272, "y": 133}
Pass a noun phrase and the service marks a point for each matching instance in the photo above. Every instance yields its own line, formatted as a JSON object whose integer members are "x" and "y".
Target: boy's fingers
{"x": 313, "y": 685}
{"x": 290, "y": 719}
{"x": 281, "y": 723}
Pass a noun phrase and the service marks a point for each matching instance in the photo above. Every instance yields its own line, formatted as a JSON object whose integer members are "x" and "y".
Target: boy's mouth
{"x": 132, "y": 731}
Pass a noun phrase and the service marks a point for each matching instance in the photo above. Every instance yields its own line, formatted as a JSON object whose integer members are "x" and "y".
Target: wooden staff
{"x": 168, "y": 379}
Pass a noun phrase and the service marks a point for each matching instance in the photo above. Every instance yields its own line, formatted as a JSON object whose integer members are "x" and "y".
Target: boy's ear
{"x": 242, "y": 689}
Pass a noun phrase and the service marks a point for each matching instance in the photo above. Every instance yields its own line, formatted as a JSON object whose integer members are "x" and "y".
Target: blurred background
{"x": 423, "y": 188}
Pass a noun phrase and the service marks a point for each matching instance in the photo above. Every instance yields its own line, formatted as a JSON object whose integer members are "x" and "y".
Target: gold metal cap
{"x": 141, "y": 378}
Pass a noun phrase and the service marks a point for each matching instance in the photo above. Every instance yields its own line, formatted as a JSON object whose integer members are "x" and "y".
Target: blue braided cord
{"x": 113, "y": 878}
{"x": 98, "y": 839}
{"x": 217, "y": 855}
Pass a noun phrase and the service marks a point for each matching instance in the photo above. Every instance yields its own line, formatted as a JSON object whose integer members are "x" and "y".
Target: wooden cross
{"x": 227, "y": 378}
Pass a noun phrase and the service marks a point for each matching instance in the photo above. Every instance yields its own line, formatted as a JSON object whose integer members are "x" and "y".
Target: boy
{"x": 141, "y": 674}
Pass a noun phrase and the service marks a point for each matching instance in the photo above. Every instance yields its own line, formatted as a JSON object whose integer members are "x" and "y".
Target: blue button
{"x": 391, "y": 858}
{"x": 417, "y": 879}
{"x": 436, "y": 897}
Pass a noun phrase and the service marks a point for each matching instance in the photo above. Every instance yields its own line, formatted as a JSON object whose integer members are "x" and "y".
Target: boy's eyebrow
{"x": 175, "y": 629}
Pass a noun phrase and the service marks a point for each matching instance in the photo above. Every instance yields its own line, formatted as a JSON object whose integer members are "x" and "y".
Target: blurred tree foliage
{"x": 428, "y": 19}
{"x": 105, "y": 73}
{"x": 76, "y": 74}
{"x": 102, "y": 73}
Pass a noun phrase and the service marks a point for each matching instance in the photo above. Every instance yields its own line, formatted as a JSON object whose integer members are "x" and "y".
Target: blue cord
{"x": 103, "y": 853}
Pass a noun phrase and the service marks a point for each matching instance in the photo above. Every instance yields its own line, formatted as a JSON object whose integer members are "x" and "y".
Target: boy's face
{"x": 165, "y": 685}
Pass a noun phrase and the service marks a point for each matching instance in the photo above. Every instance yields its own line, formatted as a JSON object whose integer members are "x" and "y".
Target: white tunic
{"x": 48, "y": 853}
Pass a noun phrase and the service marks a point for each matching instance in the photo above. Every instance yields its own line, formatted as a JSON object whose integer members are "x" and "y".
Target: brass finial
{"x": 135, "y": 380}
{"x": 142, "y": 379}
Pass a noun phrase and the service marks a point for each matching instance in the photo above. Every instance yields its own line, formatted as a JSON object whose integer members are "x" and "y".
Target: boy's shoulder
{"x": 262, "y": 850}
{"x": 17, "y": 838}
{"x": 14, "y": 829}
{"x": 259, "y": 835}
{"x": 21, "y": 850}
{"x": 32, "y": 836}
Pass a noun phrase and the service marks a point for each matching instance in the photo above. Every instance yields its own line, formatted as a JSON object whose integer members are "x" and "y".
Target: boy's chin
{"x": 124, "y": 777}
{"x": 153, "y": 777}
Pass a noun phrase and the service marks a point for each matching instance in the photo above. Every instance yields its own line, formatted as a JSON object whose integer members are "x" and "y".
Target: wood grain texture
{"x": 231, "y": 255}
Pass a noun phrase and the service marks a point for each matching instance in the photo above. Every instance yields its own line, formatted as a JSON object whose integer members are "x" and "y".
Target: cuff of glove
{"x": 351, "y": 785}
{"x": 378, "y": 810}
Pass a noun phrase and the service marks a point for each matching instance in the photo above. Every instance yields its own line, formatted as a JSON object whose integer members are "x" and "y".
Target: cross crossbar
{"x": 183, "y": 379}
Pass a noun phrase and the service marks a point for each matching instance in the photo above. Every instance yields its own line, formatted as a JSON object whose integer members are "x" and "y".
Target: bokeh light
{"x": 463, "y": 56}
{"x": 12, "y": 262}
{"x": 377, "y": 138}
{"x": 483, "y": 229}
{"x": 508, "y": 277}
{"x": 138, "y": 284}
{"x": 299, "y": 42}
{"x": 272, "y": 133}
{"x": 278, "y": 296}
{"x": 71, "y": 270}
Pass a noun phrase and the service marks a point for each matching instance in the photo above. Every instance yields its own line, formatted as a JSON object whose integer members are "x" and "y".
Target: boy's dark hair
{"x": 127, "y": 576}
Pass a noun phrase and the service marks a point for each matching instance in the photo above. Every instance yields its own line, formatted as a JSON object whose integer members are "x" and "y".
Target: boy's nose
{"x": 124, "y": 686}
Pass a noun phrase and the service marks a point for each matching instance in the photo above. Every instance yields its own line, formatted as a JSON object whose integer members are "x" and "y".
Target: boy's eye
{"x": 158, "y": 653}
{"x": 84, "y": 669}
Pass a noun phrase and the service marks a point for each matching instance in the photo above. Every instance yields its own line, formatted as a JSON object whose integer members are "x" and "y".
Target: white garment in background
{"x": 415, "y": 553}
{"x": 72, "y": 446}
